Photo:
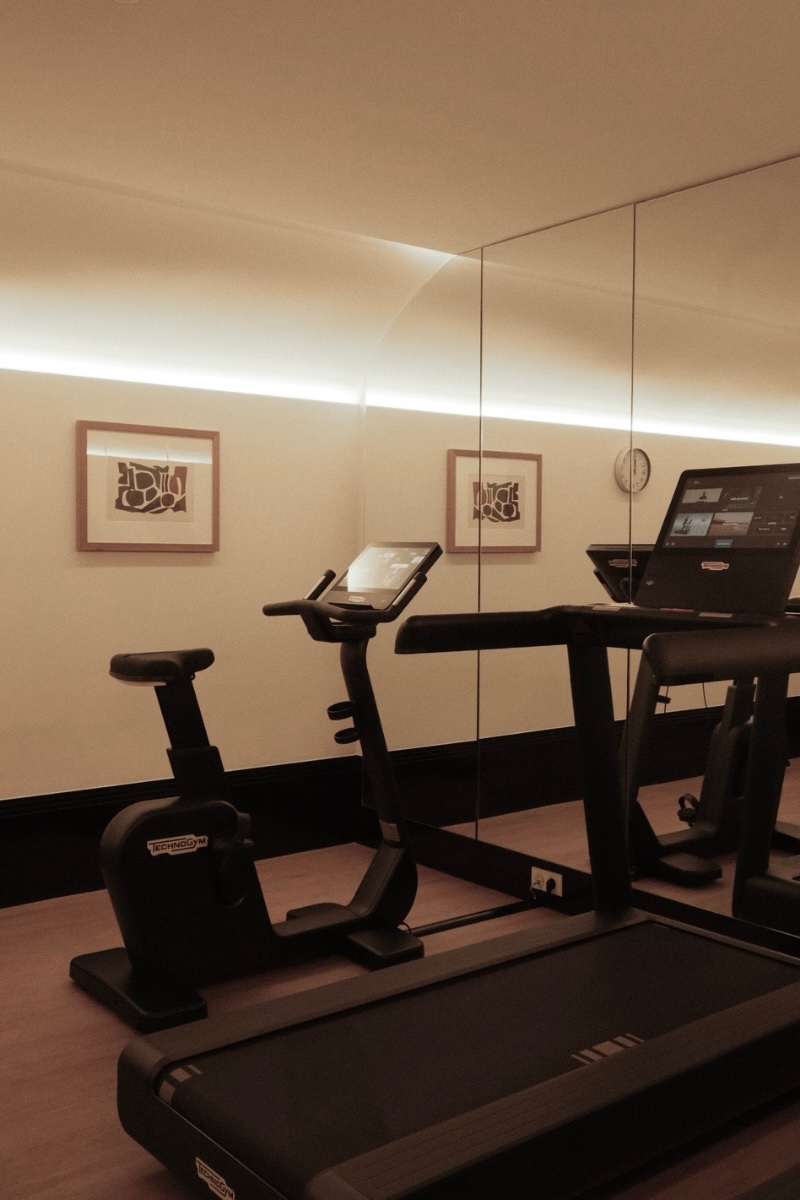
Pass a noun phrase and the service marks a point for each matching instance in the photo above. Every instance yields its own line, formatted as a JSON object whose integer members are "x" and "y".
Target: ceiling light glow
{"x": 288, "y": 388}
{"x": 550, "y": 411}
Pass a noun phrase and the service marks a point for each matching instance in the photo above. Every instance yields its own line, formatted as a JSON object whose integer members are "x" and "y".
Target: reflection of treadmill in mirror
{"x": 619, "y": 567}
{"x": 730, "y": 543}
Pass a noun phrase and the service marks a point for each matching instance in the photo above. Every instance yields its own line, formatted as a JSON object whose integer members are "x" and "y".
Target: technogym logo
{"x": 214, "y": 1181}
{"x": 184, "y": 844}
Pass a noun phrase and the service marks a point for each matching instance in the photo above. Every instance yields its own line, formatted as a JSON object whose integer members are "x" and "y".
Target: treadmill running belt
{"x": 293, "y": 1103}
{"x": 782, "y": 1187}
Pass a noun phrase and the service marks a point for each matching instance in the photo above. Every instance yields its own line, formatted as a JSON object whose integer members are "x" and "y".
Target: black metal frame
{"x": 180, "y": 873}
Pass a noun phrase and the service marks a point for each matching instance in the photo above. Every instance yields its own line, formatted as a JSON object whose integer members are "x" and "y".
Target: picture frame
{"x": 508, "y": 487}
{"x": 147, "y": 488}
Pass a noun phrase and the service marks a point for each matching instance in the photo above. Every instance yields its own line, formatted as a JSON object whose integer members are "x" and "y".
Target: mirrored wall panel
{"x": 556, "y": 384}
{"x": 671, "y": 328}
{"x": 557, "y": 393}
{"x": 716, "y": 337}
{"x": 422, "y": 398}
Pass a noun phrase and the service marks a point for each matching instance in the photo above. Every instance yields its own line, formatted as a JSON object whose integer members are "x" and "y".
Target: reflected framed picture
{"x": 493, "y": 502}
{"x": 147, "y": 488}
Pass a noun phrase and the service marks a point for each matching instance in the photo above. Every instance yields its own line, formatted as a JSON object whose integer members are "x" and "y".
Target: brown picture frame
{"x": 494, "y": 481}
{"x": 146, "y": 488}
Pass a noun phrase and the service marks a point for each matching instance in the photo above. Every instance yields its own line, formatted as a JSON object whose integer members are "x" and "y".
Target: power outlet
{"x": 549, "y": 882}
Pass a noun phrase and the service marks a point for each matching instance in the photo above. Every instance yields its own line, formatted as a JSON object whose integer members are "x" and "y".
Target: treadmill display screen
{"x": 756, "y": 511}
{"x": 381, "y": 571}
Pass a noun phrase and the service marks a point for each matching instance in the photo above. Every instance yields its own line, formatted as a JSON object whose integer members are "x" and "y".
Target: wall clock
{"x": 632, "y": 469}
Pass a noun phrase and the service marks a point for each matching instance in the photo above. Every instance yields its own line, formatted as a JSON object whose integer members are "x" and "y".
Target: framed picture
{"x": 145, "y": 487}
{"x": 493, "y": 502}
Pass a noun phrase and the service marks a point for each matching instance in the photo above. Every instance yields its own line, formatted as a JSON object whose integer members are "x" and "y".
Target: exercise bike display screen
{"x": 380, "y": 573}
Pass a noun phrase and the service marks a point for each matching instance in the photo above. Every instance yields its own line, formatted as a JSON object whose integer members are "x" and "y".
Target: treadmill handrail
{"x": 621, "y": 625}
{"x": 718, "y": 654}
{"x": 443, "y": 632}
{"x": 710, "y": 648}
{"x": 592, "y": 701}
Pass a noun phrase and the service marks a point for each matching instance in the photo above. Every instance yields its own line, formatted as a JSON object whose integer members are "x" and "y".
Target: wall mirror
{"x": 716, "y": 363}
{"x": 672, "y": 326}
{"x": 523, "y": 349}
{"x": 422, "y": 398}
{"x": 717, "y": 334}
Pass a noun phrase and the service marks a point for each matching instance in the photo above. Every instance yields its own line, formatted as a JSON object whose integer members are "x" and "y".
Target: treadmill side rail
{"x": 498, "y": 1150}
{"x": 695, "y": 1072}
{"x": 703, "y": 1073}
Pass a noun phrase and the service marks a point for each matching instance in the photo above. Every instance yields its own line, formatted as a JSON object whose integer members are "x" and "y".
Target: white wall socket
{"x": 549, "y": 882}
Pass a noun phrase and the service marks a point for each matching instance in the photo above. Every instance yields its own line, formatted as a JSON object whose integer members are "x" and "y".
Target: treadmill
{"x": 542, "y": 1063}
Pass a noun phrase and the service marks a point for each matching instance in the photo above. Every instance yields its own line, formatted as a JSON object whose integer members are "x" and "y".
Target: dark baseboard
{"x": 450, "y": 785}
{"x": 49, "y": 844}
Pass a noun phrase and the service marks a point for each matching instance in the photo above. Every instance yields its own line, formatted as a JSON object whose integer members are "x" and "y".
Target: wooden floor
{"x": 59, "y": 1135}
{"x": 558, "y": 833}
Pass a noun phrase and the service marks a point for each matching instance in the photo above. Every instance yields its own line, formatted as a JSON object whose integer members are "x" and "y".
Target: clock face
{"x": 632, "y": 470}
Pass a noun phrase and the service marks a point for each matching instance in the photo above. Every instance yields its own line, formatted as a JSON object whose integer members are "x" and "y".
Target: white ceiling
{"x": 439, "y": 123}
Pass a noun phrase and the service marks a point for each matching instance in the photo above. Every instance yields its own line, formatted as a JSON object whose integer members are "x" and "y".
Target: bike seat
{"x": 160, "y": 666}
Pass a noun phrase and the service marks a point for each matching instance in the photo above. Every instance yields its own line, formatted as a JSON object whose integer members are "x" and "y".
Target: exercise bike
{"x": 180, "y": 872}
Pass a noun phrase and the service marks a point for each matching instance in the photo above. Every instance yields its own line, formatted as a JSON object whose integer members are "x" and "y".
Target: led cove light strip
{"x": 288, "y": 389}
{"x": 294, "y": 389}
{"x": 731, "y": 433}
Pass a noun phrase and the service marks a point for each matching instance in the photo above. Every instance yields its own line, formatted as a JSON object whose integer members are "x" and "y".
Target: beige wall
{"x": 294, "y": 479}
{"x": 99, "y": 288}
{"x": 294, "y": 476}
{"x": 64, "y": 724}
